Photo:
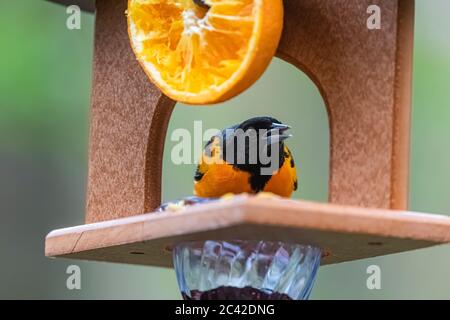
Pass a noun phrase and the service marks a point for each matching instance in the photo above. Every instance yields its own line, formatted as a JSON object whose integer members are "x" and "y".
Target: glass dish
{"x": 245, "y": 270}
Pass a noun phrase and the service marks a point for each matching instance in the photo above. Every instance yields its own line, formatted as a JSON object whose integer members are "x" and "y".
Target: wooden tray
{"x": 344, "y": 233}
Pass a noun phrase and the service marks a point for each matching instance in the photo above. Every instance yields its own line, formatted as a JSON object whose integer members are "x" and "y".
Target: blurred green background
{"x": 45, "y": 78}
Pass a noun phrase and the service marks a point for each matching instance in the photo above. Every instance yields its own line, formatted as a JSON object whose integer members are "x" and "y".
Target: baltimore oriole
{"x": 216, "y": 175}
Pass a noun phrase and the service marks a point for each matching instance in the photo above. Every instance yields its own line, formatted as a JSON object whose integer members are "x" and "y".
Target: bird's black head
{"x": 258, "y": 123}
{"x": 268, "y": 129}
{"x": 258, "y": 147}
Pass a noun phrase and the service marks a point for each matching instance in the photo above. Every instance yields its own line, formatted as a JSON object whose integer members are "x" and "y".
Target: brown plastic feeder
{"x": 365, "y": 79}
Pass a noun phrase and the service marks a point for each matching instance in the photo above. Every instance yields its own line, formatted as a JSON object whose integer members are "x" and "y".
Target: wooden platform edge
{"x": 245, "y": 216}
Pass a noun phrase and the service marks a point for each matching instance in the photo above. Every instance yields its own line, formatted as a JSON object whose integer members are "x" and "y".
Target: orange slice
{"x": 204, "y": 51}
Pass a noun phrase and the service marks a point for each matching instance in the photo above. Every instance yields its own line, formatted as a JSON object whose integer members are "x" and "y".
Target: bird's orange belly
{"x": 221, "y": 179}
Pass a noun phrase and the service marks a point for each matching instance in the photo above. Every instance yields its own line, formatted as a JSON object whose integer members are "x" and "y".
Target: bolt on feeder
{"x": 266, "y": 248}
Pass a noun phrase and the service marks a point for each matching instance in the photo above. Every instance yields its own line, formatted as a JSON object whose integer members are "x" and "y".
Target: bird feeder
{"x": 364, "y": 77}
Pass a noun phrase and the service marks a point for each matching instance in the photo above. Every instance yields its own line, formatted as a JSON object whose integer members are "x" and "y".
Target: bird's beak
{"x": 280, "y": 126}
{"x": 277, "y": 133}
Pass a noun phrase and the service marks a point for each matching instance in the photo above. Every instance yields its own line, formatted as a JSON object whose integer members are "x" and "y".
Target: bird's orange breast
{"x": 222, "y": 178}
{"x": 219, "y": 178}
